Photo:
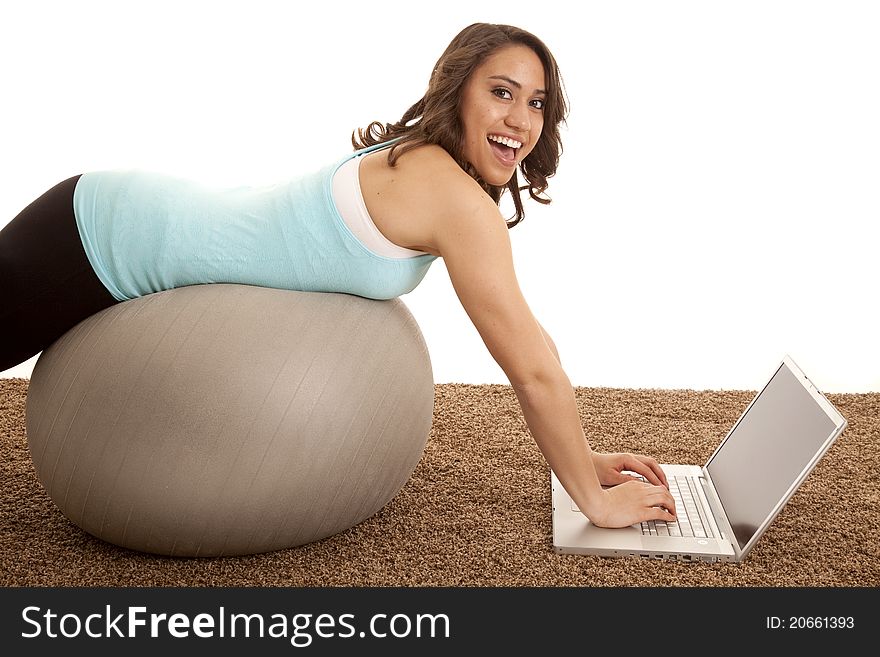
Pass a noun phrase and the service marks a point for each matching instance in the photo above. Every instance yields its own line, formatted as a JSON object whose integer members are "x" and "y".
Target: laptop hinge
{"x": 719, "y": 518}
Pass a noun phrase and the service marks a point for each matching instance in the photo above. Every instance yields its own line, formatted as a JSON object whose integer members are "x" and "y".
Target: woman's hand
{"x": 632, "y": 502}
{"x": 610, "y": 467}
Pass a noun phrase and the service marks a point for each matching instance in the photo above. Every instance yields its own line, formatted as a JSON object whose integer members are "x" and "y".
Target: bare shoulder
{"x": 423, "y": 198}
{"x": 429, "y": 203}
{"x": 417, "y": 165}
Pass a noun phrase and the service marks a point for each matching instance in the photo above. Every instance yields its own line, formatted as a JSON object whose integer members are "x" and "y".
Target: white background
{"x": 716, "y": 206}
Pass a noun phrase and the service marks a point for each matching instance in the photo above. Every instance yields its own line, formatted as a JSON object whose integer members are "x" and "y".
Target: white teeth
{"x": 507, "y": 142}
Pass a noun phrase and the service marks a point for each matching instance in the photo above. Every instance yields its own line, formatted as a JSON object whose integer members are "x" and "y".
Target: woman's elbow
{"x": 537, "y": 375}
{"x": 550, "y": 344}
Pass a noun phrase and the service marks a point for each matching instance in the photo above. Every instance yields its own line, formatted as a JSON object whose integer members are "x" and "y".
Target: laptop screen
{"x": 767, "y": 452}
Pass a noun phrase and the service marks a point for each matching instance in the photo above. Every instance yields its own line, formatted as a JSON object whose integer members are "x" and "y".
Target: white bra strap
{"x": 349, "y": 202}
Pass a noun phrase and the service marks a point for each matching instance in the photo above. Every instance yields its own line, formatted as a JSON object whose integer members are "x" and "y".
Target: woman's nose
{"x": 518, "y": 117}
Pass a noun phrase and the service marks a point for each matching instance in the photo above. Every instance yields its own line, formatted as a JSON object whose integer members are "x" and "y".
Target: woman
{"x": 370, "y": 224}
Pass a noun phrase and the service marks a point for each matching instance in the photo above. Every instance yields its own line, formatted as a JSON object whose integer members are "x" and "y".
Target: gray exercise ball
{"x": 229, "y": 419}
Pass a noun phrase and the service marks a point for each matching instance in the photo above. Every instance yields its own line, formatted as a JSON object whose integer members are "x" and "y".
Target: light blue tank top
{"x": 144, "y": 233}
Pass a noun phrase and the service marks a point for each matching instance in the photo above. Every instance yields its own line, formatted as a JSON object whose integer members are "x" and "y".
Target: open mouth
{"x": 505, "y": 148}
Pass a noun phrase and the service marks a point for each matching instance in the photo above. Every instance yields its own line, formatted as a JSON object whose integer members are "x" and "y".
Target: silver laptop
{"x": 725, "y": 506}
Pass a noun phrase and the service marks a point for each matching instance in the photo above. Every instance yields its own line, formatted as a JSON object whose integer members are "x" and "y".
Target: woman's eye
{"x": 502, "y": 93}
{"x": 538, "y": 103}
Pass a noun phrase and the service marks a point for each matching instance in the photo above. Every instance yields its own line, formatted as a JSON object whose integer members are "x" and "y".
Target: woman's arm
{"x": 472, "y": 237}
{"x": 616, "y": 468}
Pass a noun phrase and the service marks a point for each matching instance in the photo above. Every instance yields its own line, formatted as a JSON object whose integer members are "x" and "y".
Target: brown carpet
{"x": 476, "y": 510}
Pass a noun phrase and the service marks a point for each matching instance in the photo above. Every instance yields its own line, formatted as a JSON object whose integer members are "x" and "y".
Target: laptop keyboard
{"x": 690, "y": 520}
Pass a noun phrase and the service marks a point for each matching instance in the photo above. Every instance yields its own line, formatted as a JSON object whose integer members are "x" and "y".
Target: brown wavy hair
{"x": 436, "y": 117}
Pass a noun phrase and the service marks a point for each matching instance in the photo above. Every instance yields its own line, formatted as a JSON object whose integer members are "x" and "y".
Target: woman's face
{"x": 502, "y": 112}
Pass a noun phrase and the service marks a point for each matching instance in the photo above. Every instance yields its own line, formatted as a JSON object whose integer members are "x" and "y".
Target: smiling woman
{"x": 503, "y": 106}
{"x": 368, "y": 224}
{"x": 478, "y": 91}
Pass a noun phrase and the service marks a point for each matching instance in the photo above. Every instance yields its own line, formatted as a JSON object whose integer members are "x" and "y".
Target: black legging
{"x": 47, "y": 285}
